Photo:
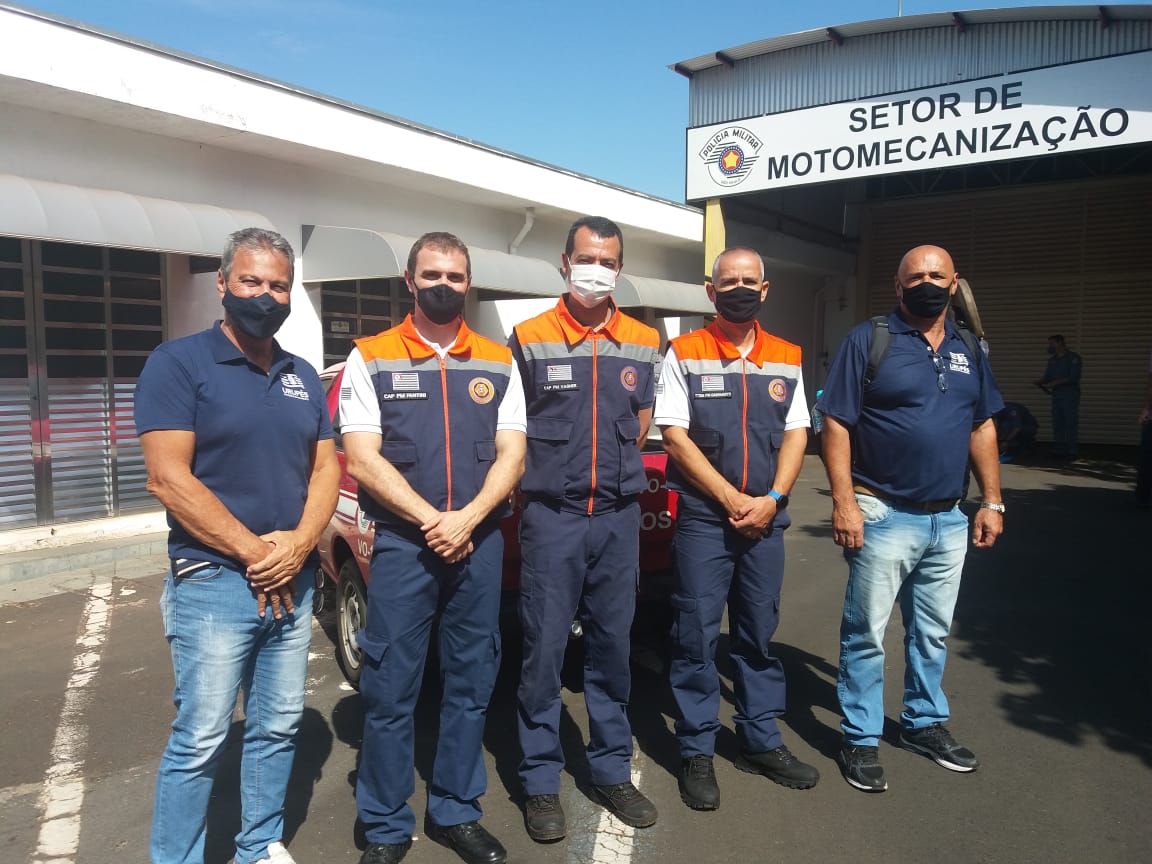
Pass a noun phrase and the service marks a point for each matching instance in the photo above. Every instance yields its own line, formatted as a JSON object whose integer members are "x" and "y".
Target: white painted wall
{"x": 83, "y": 152}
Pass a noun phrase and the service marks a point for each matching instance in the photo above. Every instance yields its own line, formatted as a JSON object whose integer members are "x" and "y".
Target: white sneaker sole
{"x": 943, "y": 763}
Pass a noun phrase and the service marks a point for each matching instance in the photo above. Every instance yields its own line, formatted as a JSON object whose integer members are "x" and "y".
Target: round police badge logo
{"x": 481, "y": 390}
{"x": 730, "y": 155}
{"x": 628, "y": 378}
{"x": 777, "y": 389}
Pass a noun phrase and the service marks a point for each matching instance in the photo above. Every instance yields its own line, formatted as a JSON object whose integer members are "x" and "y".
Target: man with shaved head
{"x": 735, "y": 421}
{"x": 898, "y": 436}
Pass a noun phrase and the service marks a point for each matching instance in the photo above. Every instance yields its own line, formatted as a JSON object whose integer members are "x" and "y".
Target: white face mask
{"x": 590, "y": 284}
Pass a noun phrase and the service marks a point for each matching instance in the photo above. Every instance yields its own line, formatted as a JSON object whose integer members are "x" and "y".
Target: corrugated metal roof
{"x": 1119, "y": 12}
{"x": 890, "y": 56}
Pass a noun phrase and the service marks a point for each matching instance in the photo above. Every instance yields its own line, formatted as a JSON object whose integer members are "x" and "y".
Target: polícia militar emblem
{"x": 481, "y": 390}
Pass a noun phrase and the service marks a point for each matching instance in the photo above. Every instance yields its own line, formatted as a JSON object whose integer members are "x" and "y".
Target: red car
{"x": 346, "y": 545}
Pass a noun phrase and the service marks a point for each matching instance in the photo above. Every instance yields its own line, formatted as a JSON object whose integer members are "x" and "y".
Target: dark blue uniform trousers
{"x": 410, "y": 586}
{"x": 587, "y": 565}
{"x": 715, "y": 565}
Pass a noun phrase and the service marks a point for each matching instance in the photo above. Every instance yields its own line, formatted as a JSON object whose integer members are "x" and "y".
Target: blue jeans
{"x": 917, "y": 557}
{"x": 220, "y": 646}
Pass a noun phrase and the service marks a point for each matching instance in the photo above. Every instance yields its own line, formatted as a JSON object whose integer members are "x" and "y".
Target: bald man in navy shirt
{"x": 897, "y": 442}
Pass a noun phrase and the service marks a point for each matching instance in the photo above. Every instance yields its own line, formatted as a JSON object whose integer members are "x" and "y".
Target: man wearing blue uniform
{"x": 1062, "y": 380}
{"x": 239, "y": 449}
{"x": 589, "y": 375}
{"x": 732, "y": 409}
{"x": 897, "y": 441}
{"x": 432, "y": 418}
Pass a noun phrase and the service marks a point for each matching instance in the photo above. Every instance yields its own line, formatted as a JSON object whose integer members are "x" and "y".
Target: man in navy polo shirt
{"x": 238, "y": 447}
{"x": 896, "y": 449}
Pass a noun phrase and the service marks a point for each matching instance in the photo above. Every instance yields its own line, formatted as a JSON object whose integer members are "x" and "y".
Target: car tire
{"x": 351, "y": 616}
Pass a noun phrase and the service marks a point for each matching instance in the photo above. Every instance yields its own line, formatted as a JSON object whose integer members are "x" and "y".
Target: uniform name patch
{"x": 552, "y": 388}
{"x": 713, "y": 394}
{"x": 401, "y": 397}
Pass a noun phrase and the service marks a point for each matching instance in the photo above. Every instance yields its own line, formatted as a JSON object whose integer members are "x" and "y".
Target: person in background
{"x": 1061, "y": 379}
{"x": 1144, "y": 469}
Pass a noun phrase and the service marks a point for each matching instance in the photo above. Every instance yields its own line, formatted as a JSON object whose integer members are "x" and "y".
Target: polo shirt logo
{"x": 777, "y": 389}
{"x": 959, "y": 363}
{"x": 293, "y": 386}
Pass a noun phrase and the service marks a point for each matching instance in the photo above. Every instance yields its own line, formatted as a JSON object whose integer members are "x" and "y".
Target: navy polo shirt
{"x": 909, "y": 437}
{"x": 254, "y": 431}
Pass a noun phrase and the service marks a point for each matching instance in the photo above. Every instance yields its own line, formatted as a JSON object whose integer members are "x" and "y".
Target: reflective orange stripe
{"x": 447, "y": 430}
{"x": 744, "y": 421}
{"x": 592, "y": 492}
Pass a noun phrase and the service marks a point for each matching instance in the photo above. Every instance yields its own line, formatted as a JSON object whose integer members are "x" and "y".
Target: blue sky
{"x": 581, "y": 85}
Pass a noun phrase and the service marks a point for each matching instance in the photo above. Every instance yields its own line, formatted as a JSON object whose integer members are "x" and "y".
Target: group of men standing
{"x": 439, "y": 424}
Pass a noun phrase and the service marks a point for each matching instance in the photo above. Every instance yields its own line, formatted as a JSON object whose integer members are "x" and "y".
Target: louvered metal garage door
{"x": 76, "y": 326}
{"x": 1062, "y": 259}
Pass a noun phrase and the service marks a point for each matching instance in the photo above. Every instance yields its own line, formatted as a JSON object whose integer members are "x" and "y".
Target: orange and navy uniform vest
{"x": 737, "y": 406}
{"x": 583, "y": 393}
{"x": 437, "y": 416}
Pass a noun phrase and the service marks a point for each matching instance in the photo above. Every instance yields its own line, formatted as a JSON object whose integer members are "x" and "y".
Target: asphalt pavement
{"x": 1049, "y": 679}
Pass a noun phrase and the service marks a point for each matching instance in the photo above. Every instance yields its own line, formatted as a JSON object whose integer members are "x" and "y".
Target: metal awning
{"x": 333, "y": 253}
{"x": 43, "y": 210}
{"x": 662, "y": 294}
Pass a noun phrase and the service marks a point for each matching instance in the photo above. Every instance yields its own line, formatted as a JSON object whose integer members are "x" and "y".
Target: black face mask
{"x": 927, "y": 300}
{"x": 440, "y": 303}
{"x": 738, "y": 305}
{"x": 260, "y": 317}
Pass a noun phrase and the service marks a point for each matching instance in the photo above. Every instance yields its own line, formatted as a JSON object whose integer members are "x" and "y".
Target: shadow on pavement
{"x": 1059, "y": 609}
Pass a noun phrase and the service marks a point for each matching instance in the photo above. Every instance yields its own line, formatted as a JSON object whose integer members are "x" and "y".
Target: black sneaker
{"x": 698, "y": 787}
{"x": 627, "y": 804}
{"x": 861, "y": 767}
{"x": 544, "y": 818}
{"x": 937, "y": 743}
{"x": 779, "y": 766}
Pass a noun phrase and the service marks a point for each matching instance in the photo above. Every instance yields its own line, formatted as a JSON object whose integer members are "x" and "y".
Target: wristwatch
{"x": 988, "y": 505}
{"x": 780, "y": 499}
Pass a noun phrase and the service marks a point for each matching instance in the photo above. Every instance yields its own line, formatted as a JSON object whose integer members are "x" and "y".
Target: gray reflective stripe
{"x": 734, "y": 367}
{"x": 605, "y": 348}
{"x": 493, "y": 367}
{"x": 429, "y": 365}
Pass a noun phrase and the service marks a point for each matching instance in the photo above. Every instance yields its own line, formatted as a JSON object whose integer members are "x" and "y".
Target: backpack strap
{"x": 878, "y": 348}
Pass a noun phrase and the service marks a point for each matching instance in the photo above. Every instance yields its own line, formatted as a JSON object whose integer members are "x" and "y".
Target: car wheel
{"x": 352, "y": 615}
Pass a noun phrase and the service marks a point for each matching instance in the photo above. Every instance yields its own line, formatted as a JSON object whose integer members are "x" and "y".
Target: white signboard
{"x": 1081, "y": 106}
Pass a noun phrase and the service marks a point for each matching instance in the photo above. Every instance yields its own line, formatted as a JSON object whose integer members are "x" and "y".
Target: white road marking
{"x": 615, "y": 842}
{"x": 63, "y": 791}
